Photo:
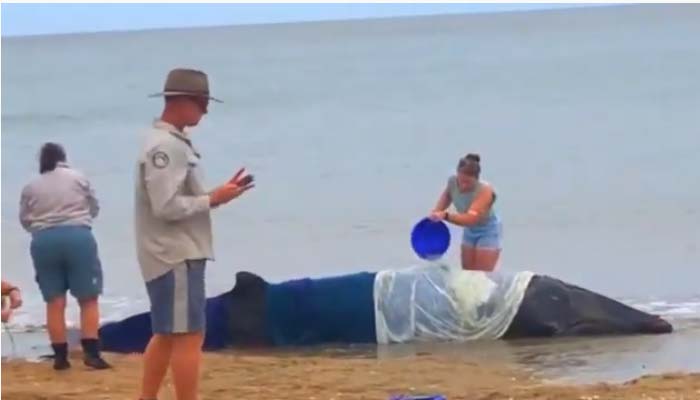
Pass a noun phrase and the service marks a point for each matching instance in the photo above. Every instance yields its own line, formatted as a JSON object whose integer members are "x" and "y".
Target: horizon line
{"x": 554, "y": 8}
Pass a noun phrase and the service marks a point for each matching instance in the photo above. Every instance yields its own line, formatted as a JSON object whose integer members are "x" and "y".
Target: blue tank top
{"x": 463, "y": 200}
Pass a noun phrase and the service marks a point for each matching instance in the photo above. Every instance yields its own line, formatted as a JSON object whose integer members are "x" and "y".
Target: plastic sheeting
{"x": 436, "y": 302}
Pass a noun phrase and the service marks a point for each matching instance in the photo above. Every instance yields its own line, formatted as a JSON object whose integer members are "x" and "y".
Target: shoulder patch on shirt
{"x": 160, "y": 159}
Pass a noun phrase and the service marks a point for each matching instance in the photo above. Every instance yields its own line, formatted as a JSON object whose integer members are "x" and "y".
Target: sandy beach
{"x": 281, "y": 376}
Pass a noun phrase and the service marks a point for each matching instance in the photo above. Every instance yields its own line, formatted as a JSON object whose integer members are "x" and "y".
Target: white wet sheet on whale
{"x": 437, "y": 302}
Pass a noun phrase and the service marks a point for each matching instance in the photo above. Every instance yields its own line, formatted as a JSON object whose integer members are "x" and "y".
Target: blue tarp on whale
{"x": 430, "y": 303}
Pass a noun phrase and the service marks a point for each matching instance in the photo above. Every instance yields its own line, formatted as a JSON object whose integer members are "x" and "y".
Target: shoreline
{"x": 317, "y": 377}
{"x": 565, "y": 361}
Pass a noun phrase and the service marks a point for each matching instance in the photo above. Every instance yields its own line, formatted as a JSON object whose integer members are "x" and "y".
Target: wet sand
{"x": 317, "y": 377}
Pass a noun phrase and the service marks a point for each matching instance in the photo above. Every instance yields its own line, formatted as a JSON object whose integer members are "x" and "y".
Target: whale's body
{"x": 418, "y": 304}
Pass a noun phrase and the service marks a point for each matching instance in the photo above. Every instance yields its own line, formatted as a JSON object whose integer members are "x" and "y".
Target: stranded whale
{"x": 427, "y": 303}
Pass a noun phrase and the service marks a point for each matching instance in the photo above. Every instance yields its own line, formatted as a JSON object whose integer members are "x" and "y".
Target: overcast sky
{"x": 32, "y": 19}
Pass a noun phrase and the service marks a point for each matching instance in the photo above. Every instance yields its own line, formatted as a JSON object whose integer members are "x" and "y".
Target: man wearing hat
{"x": 174, "y": 234}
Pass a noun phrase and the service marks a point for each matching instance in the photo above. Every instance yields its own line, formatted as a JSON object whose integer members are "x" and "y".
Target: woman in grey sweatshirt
{"x": 58, "y": 208}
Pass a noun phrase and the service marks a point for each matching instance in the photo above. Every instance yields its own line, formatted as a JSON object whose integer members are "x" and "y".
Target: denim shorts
{"x": 487, "y": 236}
{"x": 66, "y": 258}
{"x": 178, "y": 301}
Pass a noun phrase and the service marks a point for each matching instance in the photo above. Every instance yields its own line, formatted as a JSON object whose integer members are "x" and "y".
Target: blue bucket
{"x": 430, "y": 239}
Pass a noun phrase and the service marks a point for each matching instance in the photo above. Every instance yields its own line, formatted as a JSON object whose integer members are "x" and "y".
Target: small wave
{"x": 31, "y": 319}
{"x": 678, "y": 309}
{"x": 38, "y": 118}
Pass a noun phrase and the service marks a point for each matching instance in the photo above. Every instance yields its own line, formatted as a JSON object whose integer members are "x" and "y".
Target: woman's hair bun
{"x": 473, "y": 157}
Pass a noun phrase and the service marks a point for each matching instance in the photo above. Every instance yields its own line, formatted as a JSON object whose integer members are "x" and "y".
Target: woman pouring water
{"x": 473, "y": 200}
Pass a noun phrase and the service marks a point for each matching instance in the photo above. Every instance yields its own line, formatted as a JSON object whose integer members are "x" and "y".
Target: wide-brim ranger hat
{"x": 186, "y": 82}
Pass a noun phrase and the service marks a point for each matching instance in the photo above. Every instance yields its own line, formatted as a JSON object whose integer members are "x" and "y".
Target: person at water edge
{"x": 473, "y": 200}
{"x": 14, "y": 296}
{"x": 174, "y": 234}
{"x": 57, "y": 208}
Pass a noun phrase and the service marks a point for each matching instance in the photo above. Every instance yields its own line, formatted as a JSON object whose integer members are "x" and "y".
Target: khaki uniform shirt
{"x": 63, "y": 196}
{"x": 171, "y": 205}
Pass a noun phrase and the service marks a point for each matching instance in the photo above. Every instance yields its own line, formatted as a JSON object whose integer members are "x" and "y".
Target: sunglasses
{"x": 201, "y": 102}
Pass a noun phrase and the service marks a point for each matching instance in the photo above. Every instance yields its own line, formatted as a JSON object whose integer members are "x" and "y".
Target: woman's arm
{"x": 89, "y": 193}
{"x": 479, "y": 208}
{"x": 25, "y": 209}
{"x": 444, "y": 201}
{"x": 92, "y": 201}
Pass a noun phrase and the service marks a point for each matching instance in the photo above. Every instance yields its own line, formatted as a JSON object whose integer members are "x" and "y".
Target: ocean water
{"x": 586, "y": 120}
